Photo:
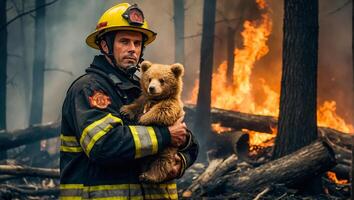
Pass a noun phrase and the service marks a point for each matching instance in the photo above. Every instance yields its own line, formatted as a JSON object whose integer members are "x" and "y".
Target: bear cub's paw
{"x": 127, "y": 112}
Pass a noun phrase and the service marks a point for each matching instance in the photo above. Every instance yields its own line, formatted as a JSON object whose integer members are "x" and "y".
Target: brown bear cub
{"x": 159, "y": 104}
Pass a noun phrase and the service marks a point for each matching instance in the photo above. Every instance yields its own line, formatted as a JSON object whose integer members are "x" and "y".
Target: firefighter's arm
{"x": 103, "y": 135}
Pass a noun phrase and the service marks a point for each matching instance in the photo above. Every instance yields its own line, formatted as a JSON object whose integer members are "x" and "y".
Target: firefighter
{"x": 101, "y": 152}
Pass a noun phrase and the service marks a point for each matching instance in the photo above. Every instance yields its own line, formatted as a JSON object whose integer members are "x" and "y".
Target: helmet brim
{"x": 91, "y": 39}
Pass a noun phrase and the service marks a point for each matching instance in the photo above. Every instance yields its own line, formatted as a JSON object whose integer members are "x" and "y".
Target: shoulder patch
{"x": 99, "y": 100}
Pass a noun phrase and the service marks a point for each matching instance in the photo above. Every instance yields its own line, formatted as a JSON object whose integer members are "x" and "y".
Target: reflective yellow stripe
{"x": 164, "y": 185}
{"x": 68, "y": 138}
{"x": 70, "y": 198}
{"x": 119, "y": 198}
{"x": 97, "y": 137}
{"x": 71, "y": 186}
{"x": 70, "y": 149}
{"x": 161, "y": 196}
{"x": 119, "y": 191}
{"x": 112, "y": 187}
{"x": 153, "y": 139}
{"x": 136, "y": 142}
{"x": 89, "y": 131}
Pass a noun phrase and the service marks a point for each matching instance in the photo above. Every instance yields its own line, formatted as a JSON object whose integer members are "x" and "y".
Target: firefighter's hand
{"x": 176, "y": 169}
{"x": 178, "y": 133}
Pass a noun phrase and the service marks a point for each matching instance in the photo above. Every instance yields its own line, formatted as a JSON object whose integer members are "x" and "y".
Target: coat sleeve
{"x": 101, "y": 132}
{"x": 188, "y": 153}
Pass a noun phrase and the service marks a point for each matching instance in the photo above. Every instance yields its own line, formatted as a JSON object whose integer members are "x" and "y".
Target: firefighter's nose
{"x": 152, "y": 89}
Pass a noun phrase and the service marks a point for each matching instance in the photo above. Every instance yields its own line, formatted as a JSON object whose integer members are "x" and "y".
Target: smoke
{"x": 69, "y": 22}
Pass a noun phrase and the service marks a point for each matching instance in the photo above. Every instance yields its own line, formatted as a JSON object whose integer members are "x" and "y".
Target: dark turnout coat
{"x": 101, "y": 152}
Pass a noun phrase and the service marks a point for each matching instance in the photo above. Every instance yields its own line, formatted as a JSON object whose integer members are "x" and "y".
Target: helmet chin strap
{"x": 130, "y": 70}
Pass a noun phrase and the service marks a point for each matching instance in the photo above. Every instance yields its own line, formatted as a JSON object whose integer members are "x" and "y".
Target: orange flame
{"x": 216, "y": 127}
{"x": 241, "y": 95}
{"x": 333, "y": 177}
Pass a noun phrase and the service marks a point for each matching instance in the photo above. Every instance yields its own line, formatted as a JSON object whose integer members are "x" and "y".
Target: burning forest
{"x": 265, "y": 127}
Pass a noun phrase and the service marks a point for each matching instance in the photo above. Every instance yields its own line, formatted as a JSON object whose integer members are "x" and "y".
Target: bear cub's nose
{"x": 152, "y": 89}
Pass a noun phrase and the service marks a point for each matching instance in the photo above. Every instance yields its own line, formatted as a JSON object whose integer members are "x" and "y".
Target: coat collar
{"x": 100, "y": 63}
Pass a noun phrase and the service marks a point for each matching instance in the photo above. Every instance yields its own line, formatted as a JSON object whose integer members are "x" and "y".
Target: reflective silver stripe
{"x": 70, "y": 192}
{"x": 92, "y": 133}
{"x": 145, "y": 140}
{"x": 70, "y": 144}
{"x": 120, "y": 191}
{"x": 69, "y": 141}
{"x": 146, "y": 143}
{"x": 114, "y": 193}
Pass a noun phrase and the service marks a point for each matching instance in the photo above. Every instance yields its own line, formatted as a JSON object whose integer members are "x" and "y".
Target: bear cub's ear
{"x": 145, "y": 65}
{"x": 177, "y": 69}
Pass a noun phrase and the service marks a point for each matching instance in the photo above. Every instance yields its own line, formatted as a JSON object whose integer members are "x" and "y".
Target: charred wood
{"x": 264, "y": 124}
{"x": 238, "y": 120}
{"x": 313, "y": 159}
{"x": 339, "y": 141}
{"x": 28, "y": 171}
{"x": 11, "y": 191}
{"x": 8, "y": 177}
{"x": 216, "y": 168}
{"x": 12, "y": 139}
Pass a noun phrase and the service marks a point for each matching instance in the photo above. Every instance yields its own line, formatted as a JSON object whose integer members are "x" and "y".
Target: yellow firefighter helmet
{"x": 121, "y": 17}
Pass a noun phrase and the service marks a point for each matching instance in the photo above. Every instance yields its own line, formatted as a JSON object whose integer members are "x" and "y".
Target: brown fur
{"x": 161, "y": 107}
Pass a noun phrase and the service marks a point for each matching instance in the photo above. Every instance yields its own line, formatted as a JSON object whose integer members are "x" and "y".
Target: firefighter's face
{"x": 127, "y": 48}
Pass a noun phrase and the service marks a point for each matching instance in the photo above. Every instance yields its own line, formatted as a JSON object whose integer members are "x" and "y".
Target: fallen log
{"x": 29, "y": 171}
{"x": 339, "y": 141}
{"x": 216, "y": 168}
{"x": 12, "y": 139}
{"x": 241, "y": 148}
{"x": 264, "y": 124}
{"x": 11, "y": 191}
{"x": 8, "y": 177}
{"x": 311, "y": 160}
{"x": 238, "y": 120}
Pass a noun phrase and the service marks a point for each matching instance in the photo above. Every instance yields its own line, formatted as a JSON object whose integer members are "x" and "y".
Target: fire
{"x": 332, "y": 176}
{"x": 241, "y": 95}
{"x": 216, "y": 127}
{"x": 262, "y": 139}
{"x": 327, "y": 116}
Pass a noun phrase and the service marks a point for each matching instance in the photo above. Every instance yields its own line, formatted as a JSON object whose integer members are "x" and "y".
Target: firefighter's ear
{"x": 145, "y": 66}
{"x": 177, "y": 69}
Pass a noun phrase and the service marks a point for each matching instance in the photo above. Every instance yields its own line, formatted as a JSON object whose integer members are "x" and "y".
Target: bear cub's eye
{"x": 162, "y": 81}
{"x": 149, "y": 79}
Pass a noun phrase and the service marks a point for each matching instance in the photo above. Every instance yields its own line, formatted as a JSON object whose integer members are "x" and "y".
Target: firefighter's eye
{"x": 162, "y": 81}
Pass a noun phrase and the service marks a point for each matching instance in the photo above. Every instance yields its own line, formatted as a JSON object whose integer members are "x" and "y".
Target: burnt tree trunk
{"x": 38, "y": 65}
{"x": 3, "y": 66}
{"x": 202, "y": 118}
{"x": 297, "y": 118}
{"x": 352, "y": 166}
{"x": 25, "y": 59}
{"x": 178, "y": 6}
{"x": 230, "y": 54}
{"x": 315, "y": 158}
{"x": 38, "y": 69}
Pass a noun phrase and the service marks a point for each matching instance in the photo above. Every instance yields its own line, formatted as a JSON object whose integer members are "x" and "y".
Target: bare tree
{"x": 36, "y": 111}
{"x": 178, "y": 6}
{"x": 297, "y": 118}
{"x": 3, "y": 68}
{"x": 202, "y": 118}
{"x": 352, "y": 172}
{"x": 38, "y": 65}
